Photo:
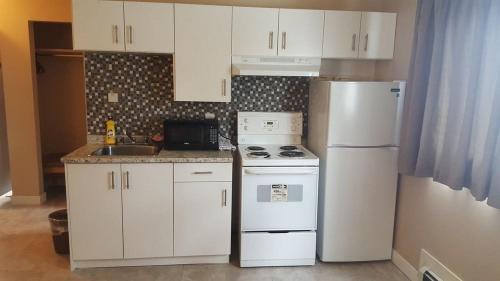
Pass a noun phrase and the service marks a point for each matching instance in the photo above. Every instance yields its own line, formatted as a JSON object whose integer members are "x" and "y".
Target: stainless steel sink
{"x": 127, "y": 150}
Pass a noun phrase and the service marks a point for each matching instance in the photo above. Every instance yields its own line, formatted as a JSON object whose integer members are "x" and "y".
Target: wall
{"x": 145, "y": 87}
{"x": 460, "y": 232}
{"x": 4, "y": 152}
{"x": 20, "y": 91}
{"x": 61, "y": 99}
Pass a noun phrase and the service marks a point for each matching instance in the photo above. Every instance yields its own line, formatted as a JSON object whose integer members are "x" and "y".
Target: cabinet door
{"x": 255, "y": 31}
{"x": 377, "y": 35}
{"x": 147, "y": 210}
{"x": 341, "y": 37}
{"x": 149, "y": 27}
{"x": 98, "y": 25}
{"x": 202, "y": 218}
{"x": 202, "y": 53}
{"x": 95, "y": 211}
{"x": 301, "y": 33}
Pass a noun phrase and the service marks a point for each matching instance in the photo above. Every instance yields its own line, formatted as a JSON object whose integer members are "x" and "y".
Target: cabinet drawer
{"x": 193, "y": 172}
{"x": 275, "y": 249}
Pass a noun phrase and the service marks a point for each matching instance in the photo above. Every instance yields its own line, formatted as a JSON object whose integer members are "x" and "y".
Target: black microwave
{"x": 191, "y": 134}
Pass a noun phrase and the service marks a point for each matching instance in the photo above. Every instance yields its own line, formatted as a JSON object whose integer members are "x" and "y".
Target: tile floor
{"x": 26, "y": 254}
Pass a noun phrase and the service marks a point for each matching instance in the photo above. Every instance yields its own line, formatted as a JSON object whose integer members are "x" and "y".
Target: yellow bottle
{"x": 110, "y": 131}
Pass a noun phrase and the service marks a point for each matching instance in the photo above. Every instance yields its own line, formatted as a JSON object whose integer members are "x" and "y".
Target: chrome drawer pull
{"x": 203, "y": 173}
{"x": 224, "y": 197}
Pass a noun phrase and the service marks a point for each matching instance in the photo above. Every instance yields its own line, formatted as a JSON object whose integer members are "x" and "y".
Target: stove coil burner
{"x": 288, "y": 147}
{"x": 259, "y": 154}
{"x": 255, "y": 148}
{"x": 292, "y": 154}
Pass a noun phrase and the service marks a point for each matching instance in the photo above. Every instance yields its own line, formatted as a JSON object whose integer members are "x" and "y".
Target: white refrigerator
{"x": 354, "y": 129}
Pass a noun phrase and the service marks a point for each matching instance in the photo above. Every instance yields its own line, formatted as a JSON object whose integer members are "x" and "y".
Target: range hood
{"x": 275, "y": 66}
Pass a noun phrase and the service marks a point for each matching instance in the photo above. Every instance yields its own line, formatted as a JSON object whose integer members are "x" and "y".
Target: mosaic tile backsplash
{"x": 145, "y": 87}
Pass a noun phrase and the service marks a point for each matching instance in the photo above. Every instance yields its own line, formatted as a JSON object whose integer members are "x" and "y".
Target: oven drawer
{"x": 194, "y": 172}
{"x": 275, "y": 249}
{"x": 276, "y": 198}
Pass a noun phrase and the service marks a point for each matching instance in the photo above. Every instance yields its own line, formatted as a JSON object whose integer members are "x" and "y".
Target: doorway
{"x": 5, "y": 186}
{"x": 61, "y": 99}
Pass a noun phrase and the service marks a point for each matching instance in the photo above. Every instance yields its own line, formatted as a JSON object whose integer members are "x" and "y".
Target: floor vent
{"x": 430, "y": 276}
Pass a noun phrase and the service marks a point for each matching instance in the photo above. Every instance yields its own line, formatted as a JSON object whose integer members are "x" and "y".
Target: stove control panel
{"x": 270, "y": 124}
{"x": 264, "y": 123}
{"x": 269, "y": 127}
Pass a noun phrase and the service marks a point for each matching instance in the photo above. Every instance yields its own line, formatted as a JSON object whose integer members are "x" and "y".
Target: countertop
{"x": 83, "y": 156}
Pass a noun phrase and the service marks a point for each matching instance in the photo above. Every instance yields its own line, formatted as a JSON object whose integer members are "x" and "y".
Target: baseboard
{"x": 28, "y": 200}
{"x": 428, "y": 262}
{"x": 150, "y": 261}
{"x": 404, "y": 266}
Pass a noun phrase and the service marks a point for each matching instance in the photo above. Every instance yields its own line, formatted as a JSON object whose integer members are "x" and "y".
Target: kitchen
{"x": 252, "y": 111}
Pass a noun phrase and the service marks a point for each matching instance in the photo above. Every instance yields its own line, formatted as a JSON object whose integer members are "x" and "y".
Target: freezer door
{"x": 356, "y": 215}
{"x": 364, "y": 113}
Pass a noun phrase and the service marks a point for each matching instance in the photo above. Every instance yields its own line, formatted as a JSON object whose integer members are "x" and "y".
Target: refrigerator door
{"x": 365, "y": 113}
{"x": 357, "y": 204}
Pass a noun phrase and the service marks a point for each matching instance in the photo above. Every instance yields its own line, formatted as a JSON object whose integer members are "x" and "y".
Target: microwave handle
{"x": 281, "y": 171}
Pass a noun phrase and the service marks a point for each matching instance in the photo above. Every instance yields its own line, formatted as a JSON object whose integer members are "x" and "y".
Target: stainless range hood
{"x": 275, "y": 66}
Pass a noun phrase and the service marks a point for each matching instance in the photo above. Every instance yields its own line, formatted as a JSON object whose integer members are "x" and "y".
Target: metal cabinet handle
{"x": 271, "y": 37}
{"x": 129, "y": 31}
{"x": 366, "y": 42}
{"x": 224, "y": 197}
{"x": 113, "y": 180}
{"x": 127, "y": 180}
{"x": 115, "y": 33}
{"x": 353, "y": 47}
{"x": 283, "y": 40}
{"x": 203, "y": 173}
{"x": 224, "y": 87}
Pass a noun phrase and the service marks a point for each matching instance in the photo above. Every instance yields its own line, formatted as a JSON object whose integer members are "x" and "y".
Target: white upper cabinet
{"x": 202, "y": 53}
{"x": 300, "y": 33}
{"x": 377, "y": 35}
{"x": 98, "y": 25}
{"x": 341, "y": 37}
{"x": 117, "y": 26}
{"x": 149, "y": 27}
{"x": 255, "y": 31}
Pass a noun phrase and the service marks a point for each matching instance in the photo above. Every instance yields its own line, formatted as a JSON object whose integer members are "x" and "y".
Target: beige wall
{"x": 61, "y": 96}
{"x": 20, "y": 96}
{"x": 4, "y": 152}
{"x": 462, "y": 233}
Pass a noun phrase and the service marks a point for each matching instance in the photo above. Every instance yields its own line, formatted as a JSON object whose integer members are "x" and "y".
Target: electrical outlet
{"x": 112, "y": 97}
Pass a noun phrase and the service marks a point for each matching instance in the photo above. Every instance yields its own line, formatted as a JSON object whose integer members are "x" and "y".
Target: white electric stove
{"x": 278, "y": 191}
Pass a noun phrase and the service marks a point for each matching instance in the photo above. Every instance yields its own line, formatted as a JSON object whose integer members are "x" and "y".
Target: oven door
{"x": 279, "y": 198}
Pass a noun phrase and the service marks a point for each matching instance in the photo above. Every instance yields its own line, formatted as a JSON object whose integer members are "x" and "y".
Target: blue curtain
{"x": 452, "y": 113}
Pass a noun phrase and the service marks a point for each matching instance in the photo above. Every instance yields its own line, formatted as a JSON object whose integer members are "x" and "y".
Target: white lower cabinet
{"x": 95, "y": 211}
{"x": 147, "y": 210}
{"x": 127, "y": 214}
{"x": 202, "y": 218}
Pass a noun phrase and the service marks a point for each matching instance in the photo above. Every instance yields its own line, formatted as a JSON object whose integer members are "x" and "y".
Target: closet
{"x": 61, "y": 96}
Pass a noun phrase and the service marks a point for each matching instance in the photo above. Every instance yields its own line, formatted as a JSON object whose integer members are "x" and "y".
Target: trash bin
{"x": 60, "y": 235}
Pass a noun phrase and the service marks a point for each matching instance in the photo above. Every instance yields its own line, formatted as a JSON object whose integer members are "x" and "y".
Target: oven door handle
{"x": 282, "y": 171}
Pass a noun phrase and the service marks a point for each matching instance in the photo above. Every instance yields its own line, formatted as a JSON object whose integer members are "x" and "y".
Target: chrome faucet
{"x": 129, "y": 135}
